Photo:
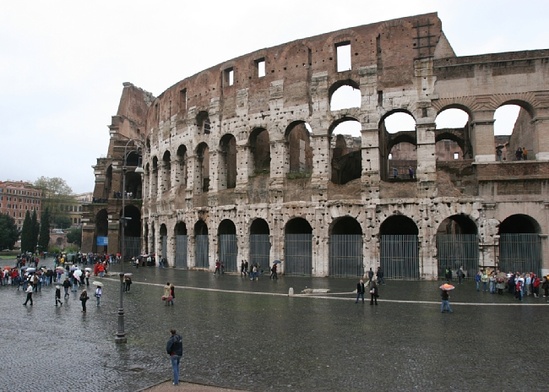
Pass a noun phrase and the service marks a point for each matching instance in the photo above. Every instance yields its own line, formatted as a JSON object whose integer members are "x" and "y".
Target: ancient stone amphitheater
{"x": 286, "y": 155}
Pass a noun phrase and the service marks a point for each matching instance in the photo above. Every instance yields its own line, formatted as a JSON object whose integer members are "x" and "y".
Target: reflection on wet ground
{"x": 251, "y": 335}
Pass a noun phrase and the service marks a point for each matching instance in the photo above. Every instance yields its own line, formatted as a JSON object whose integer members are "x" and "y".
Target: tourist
{"x": 167, "y": 297}
{"x": 58, "y": 295}
{"x": 379, "y": 273}
{"x": 360, "y": 289}
{"x": 274, "y": 274}
{"x": 29, "y": 294}
{"x": 98, "y": 294}
{"x": 174, "y": 348}
{"x": 84, "y": 298}
{"x": 445, "y": 304}
{"x": 374, "y": 292}
{"x": 66, "y": 286}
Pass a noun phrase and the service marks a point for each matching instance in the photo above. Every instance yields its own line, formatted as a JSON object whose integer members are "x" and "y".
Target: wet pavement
{"x": 252, "y": 336}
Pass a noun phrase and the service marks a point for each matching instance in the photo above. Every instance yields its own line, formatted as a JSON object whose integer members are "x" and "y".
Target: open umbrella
{"x": 447, "y": 287}
{"x": 96, "y": 283}
{"x": 88, "y": 269}
{"x": 31, "y": 269}
{"x": 277, "y": 262}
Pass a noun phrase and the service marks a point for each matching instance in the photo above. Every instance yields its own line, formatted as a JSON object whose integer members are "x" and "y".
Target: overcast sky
{"x": 62, "y": 63}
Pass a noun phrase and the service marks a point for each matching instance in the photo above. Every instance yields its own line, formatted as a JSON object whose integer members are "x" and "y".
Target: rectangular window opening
{"x": 343, "y": 56}
{"x": 229, "y": 76}
{"x": 260, "y": 67}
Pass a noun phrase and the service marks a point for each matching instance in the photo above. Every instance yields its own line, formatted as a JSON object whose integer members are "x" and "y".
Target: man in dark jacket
{"x": 174, "y": 348}
{"x": 360, "y": 290}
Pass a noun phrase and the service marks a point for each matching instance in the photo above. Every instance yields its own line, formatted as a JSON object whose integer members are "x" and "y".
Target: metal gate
{"x": 132, "y": 247}
{"x": 201, "y": 251}
{"x": 181, "y": 251}
{"x": 456, "y": 250}
{"x": 520, "y": 252}
{"x": 346, "y": 255}
{"x": 399, "y": 256}
{"x": 260, "y": 249}
{"x": 298, "y": 251}
{"x": 228, "y": 251}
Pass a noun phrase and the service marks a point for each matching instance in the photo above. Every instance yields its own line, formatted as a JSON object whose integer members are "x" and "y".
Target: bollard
{"x": 291, "y": 292}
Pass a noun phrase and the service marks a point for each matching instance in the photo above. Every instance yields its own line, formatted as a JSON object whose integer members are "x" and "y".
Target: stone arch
{"x": 345, "y": 248}
{"x": 398, "y": 155}
{"x": 201, "y": 244}
{"x": 101, "y": 230}
{"x": 227, "y": 162}
{"x": 452, "y": 134}
{"x": 181, "y": 245}
{"x": 227, "y": 245}
{"x": 163, "y": 244}
{"x": 298, "y": 139}
{"x": 260, "y": 242}
{"x": 520, "y": 246}
{"x": 345, "y": 150}
{"x": 203, "y": 122}
{"x": 298, "y": 251}
{"x": 399, "y": 243}
{"x": 166, "y": 175}
{"x": 522, "y": 132}
{"x": 202, "y": 172}
{"x": 344, "y": 94}
{"x": 457, "y": 245}
{"x": 260, "y": 149}
{"x": 132, "y": 231}
{"x": 154, "y": 177}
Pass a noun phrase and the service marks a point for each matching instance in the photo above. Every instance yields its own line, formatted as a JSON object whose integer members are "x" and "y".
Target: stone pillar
{"x": 541, "y": 135}
{"x": 482, "y": 136}
{"x": 426, "y": 150}
{"x": 370, "y": 161}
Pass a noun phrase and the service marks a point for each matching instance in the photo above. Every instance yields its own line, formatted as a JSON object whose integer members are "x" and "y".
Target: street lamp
{"x": 121, "y": 334}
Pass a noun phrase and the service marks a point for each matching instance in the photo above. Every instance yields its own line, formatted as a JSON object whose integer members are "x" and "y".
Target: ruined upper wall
{"x": 390, "y": 47}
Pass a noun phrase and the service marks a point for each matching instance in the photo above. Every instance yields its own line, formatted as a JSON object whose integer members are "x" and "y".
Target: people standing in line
{"x": 274, "y": 274}
{"x": 84, "y": 298}
{"x": 484, "y": 280}
{"x": 29, "y": 294}
{"x": 535, "y": 285}
{"x": 58, "y": 295}
{"x": 174, "y": 348}
{"x": 374, "y": 292}
{"x": 98, "y": 294}
{"x": 66, "y": 286}
{"x": 360, "y": 289}
{"x": 445, "y": 304}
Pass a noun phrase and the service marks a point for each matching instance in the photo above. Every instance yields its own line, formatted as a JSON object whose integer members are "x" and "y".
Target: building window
{"x": 229, "y": 76}
{"x": 343, "y": 50}
{"x": 260, "y": 67}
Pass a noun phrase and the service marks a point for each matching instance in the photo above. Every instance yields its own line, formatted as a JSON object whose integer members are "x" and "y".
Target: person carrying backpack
{"x": 174, "y": 348}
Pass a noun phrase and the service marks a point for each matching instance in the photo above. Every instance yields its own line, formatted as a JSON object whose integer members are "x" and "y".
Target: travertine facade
{"x": 241, "y": 161}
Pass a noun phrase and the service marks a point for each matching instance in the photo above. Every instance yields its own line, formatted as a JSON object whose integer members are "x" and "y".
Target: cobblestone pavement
{"x": 251, "y": 336}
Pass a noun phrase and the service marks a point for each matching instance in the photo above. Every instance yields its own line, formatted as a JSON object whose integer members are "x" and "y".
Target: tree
{"x": 57, "y": 196}
{"x": 9, "y": 233}
{"x": 44, "y": 238}
{"x": 35, "y": 227}
{"x": 74, "y": 236}
{"x": 26, "y": 234}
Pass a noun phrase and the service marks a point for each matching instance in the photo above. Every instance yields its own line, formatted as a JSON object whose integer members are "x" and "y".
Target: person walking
{"x": 66, "y": 286}
{"x": 445, "y": 304}
{"x": 58, "y": 295}
{"x": 98, "y": 294}
{"x": 379, "y": 273}
{"x": 174, "y": 348}
{"x": 84, "y": 298}
{"x": 167, "y": 297}
{"x": 360, "y": 289}
{"x": 29, "y": 294}
{"x": 460, "y": 274}
{"x": 274, "y": 274}
{"x": 374, "y": 292}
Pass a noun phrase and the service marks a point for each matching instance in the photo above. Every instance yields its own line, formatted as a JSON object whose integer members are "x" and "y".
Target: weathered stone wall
{"x": 403, "y": 65}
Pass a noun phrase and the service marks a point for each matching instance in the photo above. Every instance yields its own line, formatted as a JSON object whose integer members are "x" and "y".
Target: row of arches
{"x": 397, "y": 247}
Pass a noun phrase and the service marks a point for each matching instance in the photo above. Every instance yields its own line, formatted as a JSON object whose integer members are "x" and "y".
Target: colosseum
{"x": 286, "y": 154}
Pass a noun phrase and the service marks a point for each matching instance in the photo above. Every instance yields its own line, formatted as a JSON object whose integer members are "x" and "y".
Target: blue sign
{"x": 102, "y": 241}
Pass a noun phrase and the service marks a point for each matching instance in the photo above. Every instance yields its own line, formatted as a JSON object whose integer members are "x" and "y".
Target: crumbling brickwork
{"x": 241, "y": 164}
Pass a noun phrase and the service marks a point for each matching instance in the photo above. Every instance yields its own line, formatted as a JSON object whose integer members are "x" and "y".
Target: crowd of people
{"x": 518, "y": 284}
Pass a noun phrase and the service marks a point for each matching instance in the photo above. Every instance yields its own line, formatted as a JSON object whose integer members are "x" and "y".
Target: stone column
{"x": 541, "y": 135}
{"x": 482, "y": 136}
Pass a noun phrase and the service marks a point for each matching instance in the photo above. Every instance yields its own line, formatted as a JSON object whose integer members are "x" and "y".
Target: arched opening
{"x": 399, "y": 253}
{"x": 457, "y": 245}
{"x": 202, "y": 183}
{"x": 345, "y": 95}
{"x": 452, "y": 135}
{"x": 398, "y": 153}
{"x": 298, "y": 247}
{"x": 164, "y": 244}
{"x": 154, "y": 178}
{"x": 181, "y": 175}
{"x": 514, "y": 132}
{"x": 345, "y": 148}
{"x": 260, "y": 149}
{"x": 520, "y": 245}
{"x": 227, "y": 162}
{"x": 166, "y": 172}
{"x": 300, "y": 158}
{"x": 201, "y": 247}
{"x": 346, "y": 243}
{"x": 227, "y": 245}
{"x": 181, "y": 245}
{"x": 203, "y": 122}
{"x": 101, "y": 232}
{"x": 260, "y": 243}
